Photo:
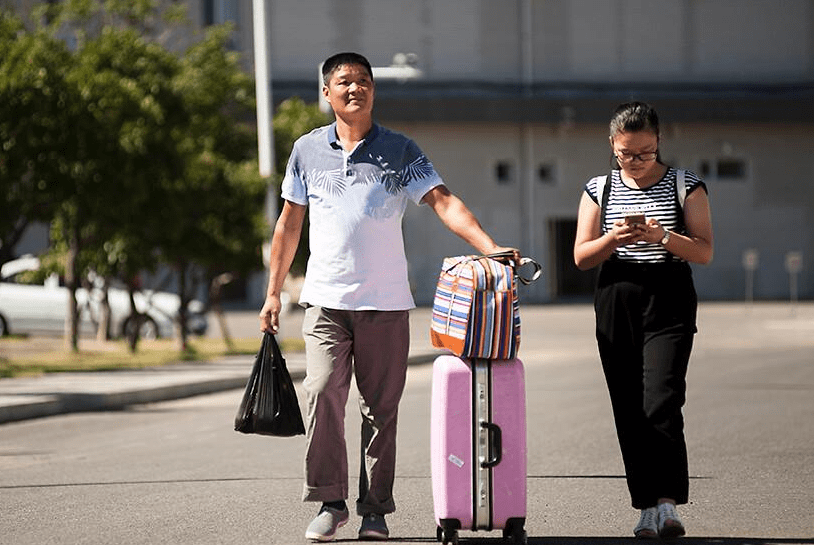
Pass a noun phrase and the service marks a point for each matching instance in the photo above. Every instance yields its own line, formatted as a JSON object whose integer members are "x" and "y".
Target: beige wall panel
{"x": 594, "y": 51}
{"x": 500, "y": 49}
{"x": 652, "y": 40}
{"x": 303, "y": 34}
{"x": 390, "y": 26}
{"x": 551, "y": 40}
{"x": 740, "y": 39}
{"x": 452, "y": 42}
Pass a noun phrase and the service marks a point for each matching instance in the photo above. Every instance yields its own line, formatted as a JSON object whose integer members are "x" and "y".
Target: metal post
{"x": 527, "y": 162}
{"x": 262, "y": 76}
{"x": 265, "y": 132}
{"x": 750, "y": 263}
{"x": 794, "y": 264}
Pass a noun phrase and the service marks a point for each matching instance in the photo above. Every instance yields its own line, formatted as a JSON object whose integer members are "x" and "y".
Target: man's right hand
{"x": 270, "y": 314}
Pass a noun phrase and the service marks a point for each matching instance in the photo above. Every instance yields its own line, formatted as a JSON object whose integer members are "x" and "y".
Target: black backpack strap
{"x": 681, "y": 196}
{"x": 604, "y": 189}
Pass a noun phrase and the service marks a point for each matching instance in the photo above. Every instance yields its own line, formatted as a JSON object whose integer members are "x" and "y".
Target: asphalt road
{"x": 176, "y": 473}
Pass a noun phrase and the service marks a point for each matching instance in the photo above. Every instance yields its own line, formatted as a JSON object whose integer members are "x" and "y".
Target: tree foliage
{"x": 35, "y": 128}
{"x": 137, "y": 156}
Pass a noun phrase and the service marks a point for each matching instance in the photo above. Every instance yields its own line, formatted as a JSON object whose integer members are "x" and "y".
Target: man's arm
{"x": 284, "y": 244}
{"x": 460, "y": 220}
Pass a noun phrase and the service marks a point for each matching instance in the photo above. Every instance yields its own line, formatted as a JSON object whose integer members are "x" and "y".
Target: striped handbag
{"x": 476, "y": 312}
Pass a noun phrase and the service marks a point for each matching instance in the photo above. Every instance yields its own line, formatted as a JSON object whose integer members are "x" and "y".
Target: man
{"x": 356, "y": 177}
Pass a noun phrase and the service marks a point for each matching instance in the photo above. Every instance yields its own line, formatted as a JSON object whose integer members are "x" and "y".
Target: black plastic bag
{"x": 269, "y": 405}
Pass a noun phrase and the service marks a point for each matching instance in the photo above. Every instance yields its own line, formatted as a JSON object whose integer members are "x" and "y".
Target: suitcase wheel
{"x": 448, "y": 534}
{"x": 514, "y": 530}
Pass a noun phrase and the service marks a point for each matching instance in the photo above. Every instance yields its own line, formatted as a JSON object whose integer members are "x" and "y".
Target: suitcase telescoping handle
{"x": 495, "y": 445}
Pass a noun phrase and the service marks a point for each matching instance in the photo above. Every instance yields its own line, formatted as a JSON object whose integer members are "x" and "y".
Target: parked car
{"x": 43, "y": 308}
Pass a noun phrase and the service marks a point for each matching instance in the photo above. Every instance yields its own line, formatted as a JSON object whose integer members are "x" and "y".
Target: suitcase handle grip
{"x": 495, "y": 445}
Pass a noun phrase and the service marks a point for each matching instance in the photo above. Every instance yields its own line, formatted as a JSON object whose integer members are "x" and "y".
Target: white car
{"x": 43, "y": 308}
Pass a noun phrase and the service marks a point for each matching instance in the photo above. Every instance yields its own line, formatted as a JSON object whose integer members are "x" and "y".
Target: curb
{"x": 54, "y": 404}
{"x": 43, "y": 405}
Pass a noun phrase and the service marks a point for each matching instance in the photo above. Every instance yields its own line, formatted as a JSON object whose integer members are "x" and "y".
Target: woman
{"x": 641, "y": 233}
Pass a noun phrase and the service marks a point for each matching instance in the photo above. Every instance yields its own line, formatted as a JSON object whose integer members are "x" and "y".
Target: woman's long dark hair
{"x": 634, "y": 117}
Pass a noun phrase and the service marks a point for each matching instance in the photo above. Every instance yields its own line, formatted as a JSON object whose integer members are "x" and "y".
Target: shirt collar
{"x": 333, "y": 141}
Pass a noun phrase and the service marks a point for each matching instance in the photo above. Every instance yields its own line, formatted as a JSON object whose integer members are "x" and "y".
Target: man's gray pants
{"x": 373, "y": 346}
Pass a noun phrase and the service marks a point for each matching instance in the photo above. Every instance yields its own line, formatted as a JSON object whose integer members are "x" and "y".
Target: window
{"x": 546, "y": 174}
{"x": 216, "y": 12}
{"x": 208, "y": 12}
{"x": 731, "y": 169}
{"x": 724, "y": 170}
{"x": 219, "y": 11}
{"x": 504, "y": 172}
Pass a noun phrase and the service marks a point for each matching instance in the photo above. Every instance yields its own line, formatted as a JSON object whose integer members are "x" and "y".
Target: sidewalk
{"x": 59, "y": 393}
{"x": 550, "y": 332}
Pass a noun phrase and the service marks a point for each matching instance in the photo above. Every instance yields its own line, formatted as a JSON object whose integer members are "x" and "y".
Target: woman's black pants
{"x": 645, "y": 323}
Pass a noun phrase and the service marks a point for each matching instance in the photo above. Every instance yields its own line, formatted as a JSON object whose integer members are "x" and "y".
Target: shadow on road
{"x": 578, "y": 540}
{"x": 622, "y": 477}
{"x": 682, "y": 541}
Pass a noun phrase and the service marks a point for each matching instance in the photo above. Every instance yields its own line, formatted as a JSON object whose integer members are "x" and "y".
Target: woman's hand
{"x": 627, "y": 233}
{"x": 652, "y": 231}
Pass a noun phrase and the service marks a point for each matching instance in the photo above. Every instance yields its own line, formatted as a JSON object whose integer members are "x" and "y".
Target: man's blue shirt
{"x": 356, "y": 202}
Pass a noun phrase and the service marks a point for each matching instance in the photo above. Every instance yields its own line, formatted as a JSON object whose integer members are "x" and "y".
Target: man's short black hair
{"x": 333, "y": 62}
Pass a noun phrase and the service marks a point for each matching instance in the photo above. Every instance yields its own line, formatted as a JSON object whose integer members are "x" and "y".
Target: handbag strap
{"x": 509, "y": 256}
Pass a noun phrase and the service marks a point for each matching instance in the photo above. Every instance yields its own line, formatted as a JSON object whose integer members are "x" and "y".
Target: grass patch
{"x": 115, "y": 355}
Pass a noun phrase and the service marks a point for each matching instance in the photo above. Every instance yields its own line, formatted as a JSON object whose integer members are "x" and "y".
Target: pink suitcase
{"x": 478, "y": 447}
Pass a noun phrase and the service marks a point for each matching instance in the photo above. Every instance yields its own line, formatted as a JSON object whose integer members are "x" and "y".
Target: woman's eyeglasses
{"x": 624, "y": 157}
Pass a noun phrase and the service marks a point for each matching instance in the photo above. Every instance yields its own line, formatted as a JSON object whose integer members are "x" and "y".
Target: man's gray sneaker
{"x": 373, "y": 527}
{"x": 324, "y": 526}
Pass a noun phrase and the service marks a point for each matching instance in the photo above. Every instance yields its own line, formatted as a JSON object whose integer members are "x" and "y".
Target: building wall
{"x": 554, "y": 40}
{"x": 533, "y": 40}
{"x": 770, "y": 209}
{"x": 482, "y": 58}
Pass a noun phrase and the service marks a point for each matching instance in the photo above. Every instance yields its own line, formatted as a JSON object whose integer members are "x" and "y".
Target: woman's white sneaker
{"x": 670, "y": 525}
{"x": 648, "y": 524}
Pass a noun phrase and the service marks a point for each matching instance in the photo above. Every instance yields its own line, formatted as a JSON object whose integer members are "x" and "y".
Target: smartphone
{"x": 633, "y": 219}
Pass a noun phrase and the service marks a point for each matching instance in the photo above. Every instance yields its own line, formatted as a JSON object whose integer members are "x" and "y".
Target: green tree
{"x": 217, "y": 204}
{"x": 136, "y": 155}
{"x": 36, "y": 123}
{"x": 174, "y": 156}
{"x": 124, "y": 154}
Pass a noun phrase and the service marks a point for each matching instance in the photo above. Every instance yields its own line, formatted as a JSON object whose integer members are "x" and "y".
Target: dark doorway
{"x": 570, "y": 282}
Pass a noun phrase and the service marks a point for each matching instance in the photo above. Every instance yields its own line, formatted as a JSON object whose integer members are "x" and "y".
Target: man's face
{"x": 350, "y": 91}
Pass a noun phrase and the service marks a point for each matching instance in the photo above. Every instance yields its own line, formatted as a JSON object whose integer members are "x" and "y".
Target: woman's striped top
{"x": 658, "y": 201}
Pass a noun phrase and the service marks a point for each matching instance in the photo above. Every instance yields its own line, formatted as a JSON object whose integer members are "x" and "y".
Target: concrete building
{"x": 515, "y": 99}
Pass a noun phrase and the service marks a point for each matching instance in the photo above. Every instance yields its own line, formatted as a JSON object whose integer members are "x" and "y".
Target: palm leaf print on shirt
{"x": 394, "y": 181}
{"x": 420, "y": 167}
{"x": 330, "y": 181}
